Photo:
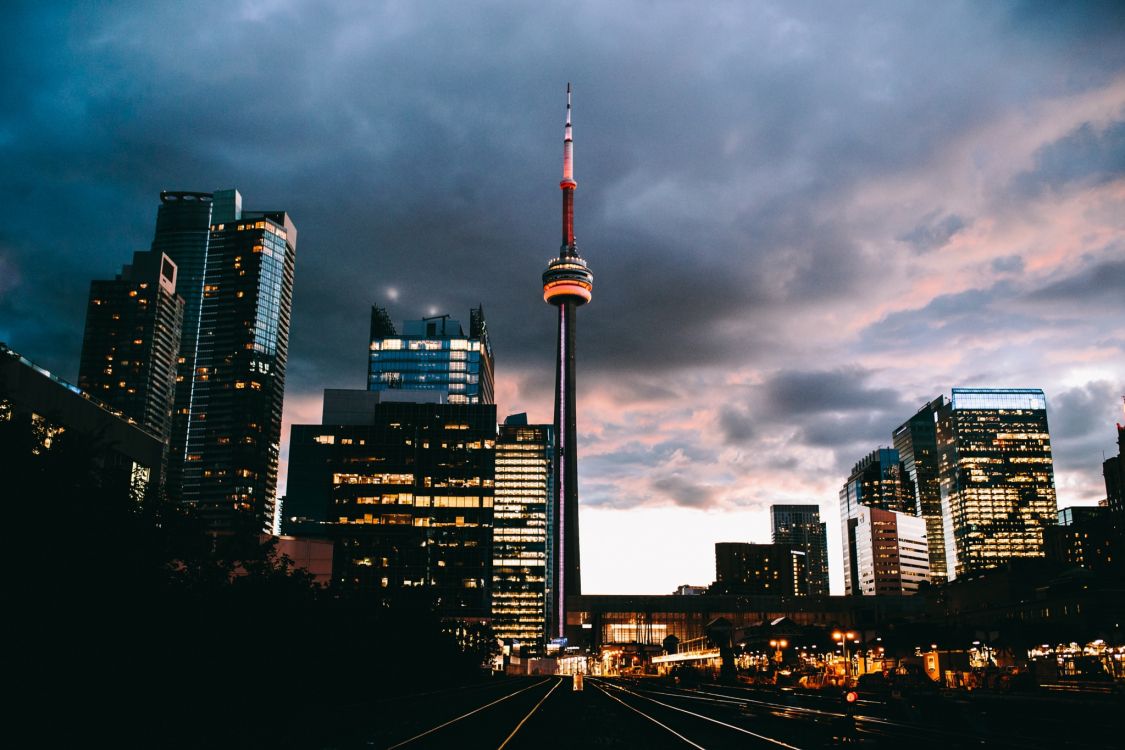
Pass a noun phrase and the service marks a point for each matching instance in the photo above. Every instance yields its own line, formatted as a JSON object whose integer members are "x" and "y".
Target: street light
{"x": 843, "y": 638}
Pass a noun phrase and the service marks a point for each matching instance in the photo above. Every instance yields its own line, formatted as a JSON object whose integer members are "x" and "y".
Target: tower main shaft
{"x": 567, "y": 284}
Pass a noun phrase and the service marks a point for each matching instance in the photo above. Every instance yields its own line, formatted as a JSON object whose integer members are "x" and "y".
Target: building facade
{"x": 38, "y": 412}
{"x": 408, "y": 500}
{"x": 234, "y": 431}
{"x": 800, "y": 527}
{"x": 132, "y": 341}
{"x": 876, "y": 481}
{"x": 183, "y": 232}
{"x": 996, "y": 476}
{"x": 916, "y": 443}
{"x": 519, "y": 534}
{"x": 769, "y": 569}
{"x": 432, "y": 354}
{"x": 1090, "y": 537}
{"x": 567, "y": 285}
{"x": 892, "y": 552}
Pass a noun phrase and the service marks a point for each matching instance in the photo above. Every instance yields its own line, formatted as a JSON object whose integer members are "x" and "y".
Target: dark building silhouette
{"x": 432, "y": 354}
{"x": 877, "y": 481}
{"x": 1113, "y": 471}
{"x": 567, "y": 284}
{"x": 406, "y": 492}
{"x": 519, "y": 534}
{"x": 1088, "y": 536}
{"x": 746, "y": 568}
{"x": 234, "y": 431}
{"x": 38, "y": 410}
{"x": 800, "y": 527}
{"x": 996, "y": 476}
{"x": 183, "y": 231}
{"x": 916, "y": 443}
{"x": 132, "y": 340}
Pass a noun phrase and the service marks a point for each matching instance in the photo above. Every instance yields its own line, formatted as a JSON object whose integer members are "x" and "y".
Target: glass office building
{"x": 800, "y": 527}
{"x": 519, "y": 534}
{"x": 916, "y": 443}
{"x": 406, "y": 493}
{"x": 183, "y": 233}
{"x": 996, "y": 477}
{"x": 432, "y": 354}
{"x": 877, "y": 481}
{"x": 234, "y": 430}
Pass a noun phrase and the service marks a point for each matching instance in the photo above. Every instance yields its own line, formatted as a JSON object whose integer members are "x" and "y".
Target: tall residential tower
{"x": 567, "y": 284}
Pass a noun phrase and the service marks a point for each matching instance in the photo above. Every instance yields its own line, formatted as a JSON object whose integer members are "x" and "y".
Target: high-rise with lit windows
{"x": 567, "y": 285}
{"x": 748, "y": 568}
{"x": 432, "y": 354}
{"x": 892, "y": 556}
{"x": 916, "y": 443}
{"x": 996, "y": 476}
{"x": 405, "y": 490}
{"x": 234, "y": 430}
{"x": 132, "y": 340}
{"x": 519, "y": 534}
{"x": 183, "y": 233}
{"x": 877, "y": 481}
{"x": 800, "y": 527}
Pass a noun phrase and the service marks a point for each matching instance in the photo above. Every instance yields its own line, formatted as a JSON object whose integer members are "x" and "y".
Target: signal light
{"x": 851, "y": 696}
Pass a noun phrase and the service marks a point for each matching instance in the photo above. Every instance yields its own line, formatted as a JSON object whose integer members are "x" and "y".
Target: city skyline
{"x": 789, "y": 271}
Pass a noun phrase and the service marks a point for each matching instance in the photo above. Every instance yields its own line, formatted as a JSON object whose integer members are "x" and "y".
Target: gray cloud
{"x": 933, "y": 232}
{"x": 1087, "y": 156}
{"x": 1008, "y": 264}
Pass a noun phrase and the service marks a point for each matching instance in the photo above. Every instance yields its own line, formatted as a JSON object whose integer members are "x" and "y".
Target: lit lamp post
{"x": 842, "y": 638}
{"x": 777, "y": 645}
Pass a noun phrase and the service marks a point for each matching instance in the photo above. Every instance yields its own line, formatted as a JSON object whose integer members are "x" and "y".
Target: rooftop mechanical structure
{"x": 567, "y": 284}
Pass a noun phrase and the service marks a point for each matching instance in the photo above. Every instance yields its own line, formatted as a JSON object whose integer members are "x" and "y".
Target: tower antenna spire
{"x": 568, "y": 185}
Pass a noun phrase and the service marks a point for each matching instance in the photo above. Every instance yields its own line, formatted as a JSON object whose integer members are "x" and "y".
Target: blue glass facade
{"x": 432, "y": 354}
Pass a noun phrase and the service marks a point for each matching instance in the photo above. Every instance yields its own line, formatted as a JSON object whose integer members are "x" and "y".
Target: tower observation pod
{"x": 567, "y": 284}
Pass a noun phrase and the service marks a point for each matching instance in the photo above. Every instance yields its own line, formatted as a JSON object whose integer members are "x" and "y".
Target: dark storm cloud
{"x": 933, "y": 232}
{"x": 418, "y": 146}
{"x": 814, "y": 392}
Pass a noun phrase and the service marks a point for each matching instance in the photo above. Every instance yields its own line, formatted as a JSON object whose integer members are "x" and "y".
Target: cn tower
{"x": 567, "y": 284}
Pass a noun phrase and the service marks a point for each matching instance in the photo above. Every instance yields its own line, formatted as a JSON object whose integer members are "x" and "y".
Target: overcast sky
{"x": 804, "y": 219}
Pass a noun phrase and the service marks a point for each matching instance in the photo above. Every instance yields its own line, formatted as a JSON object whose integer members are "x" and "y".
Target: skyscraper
{"x": 183, "y": 232}
{"x": 432, "y": 354}
{"x": 567, "y": 284}
{"x": 892, "y": 554}
{"x": 800, "y": 527}
{"x": 519, "y": 533}
{"x": 877, "y": 481}
{"x": 132, "y": 340}
{"x": 234, "y": 431}
{"x": 996, "y": 476}
{"x": 916, "y": 443}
